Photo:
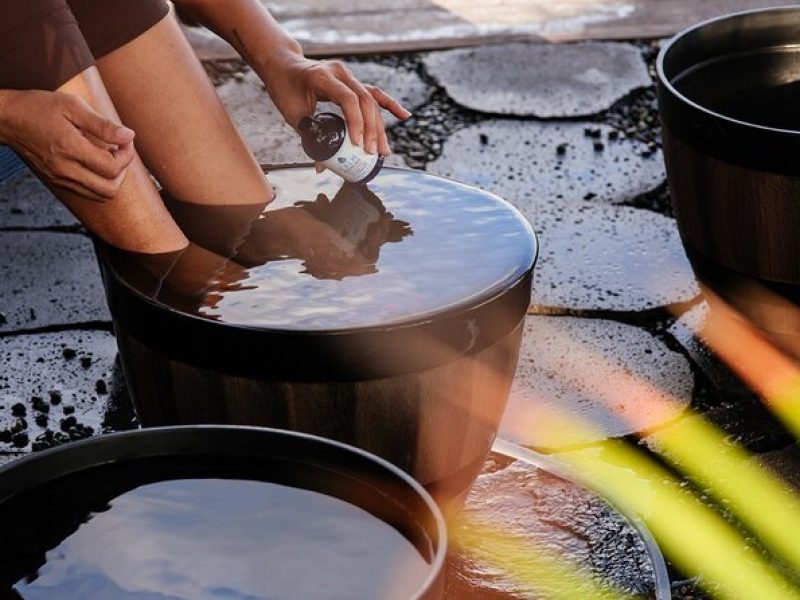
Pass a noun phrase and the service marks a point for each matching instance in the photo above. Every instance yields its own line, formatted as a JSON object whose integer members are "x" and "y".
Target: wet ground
{"x": 612, "y": 283}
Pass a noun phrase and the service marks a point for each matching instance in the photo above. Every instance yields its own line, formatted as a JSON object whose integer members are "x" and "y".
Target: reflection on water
{"x": 765, "y": 90}
{"x": 211, "y": 539}
{"x": 327, "y": 256}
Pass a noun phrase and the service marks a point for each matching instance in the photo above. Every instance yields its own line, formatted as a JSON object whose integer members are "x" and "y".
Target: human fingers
{"x": 76, "y": 188}
{"x": 370, "y": 111}
{"x": 331, "y": 87}
{"x": 85, "y": 118}
{"x": 109, "y": 164}
{"x": 102, "y": 188}
{"x": 383, "y": 140}
{"x": 386, "y": 101}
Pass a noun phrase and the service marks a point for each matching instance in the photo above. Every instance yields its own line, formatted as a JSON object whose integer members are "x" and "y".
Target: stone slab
{"x": 26, "y": 202}
{"x": 49, "y": 279}
{"x": 784, "y": 463}
{"x": 403, "y": 85}
{"x": 521, "y": 161}
{"x": 67, "y": 366}
{"x": 608, "y": 258}
{"x": 539, "y": 510}
{"x": 268, "y": 135}
{"x": 584, "y": 380}
{"x": 540, "y": 80}
{"x": 260, "y": 123}
{"x": 684, "y": 331}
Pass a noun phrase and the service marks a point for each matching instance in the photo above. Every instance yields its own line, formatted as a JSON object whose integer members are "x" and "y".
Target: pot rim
{"x": 476, "y": 301}
{"x": 29, "y": 474}
{"x": 666, "y": 82}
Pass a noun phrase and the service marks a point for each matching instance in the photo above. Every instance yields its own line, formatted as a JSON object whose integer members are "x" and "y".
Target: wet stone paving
{"x": 575, "y": 146}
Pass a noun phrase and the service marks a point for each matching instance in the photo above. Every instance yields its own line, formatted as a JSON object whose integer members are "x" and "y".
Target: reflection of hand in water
{"x": 334, "y": 238}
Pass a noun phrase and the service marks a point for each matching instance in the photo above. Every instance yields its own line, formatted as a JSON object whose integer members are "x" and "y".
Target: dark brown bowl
{"x": 728, "y": 92}
{"x": 47, "y": 497}
{"x": 425, "y": 391}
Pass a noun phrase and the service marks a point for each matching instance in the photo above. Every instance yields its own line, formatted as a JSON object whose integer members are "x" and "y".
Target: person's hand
{"x": 67, "y": 141}
{"x": 296, "y": 84}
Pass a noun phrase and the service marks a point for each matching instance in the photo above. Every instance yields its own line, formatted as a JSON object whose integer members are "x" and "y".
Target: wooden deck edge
{"x": 209, "y": 50}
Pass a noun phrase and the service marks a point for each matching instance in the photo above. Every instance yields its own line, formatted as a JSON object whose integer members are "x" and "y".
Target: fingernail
{"x": 408, "y": 113}
{"x": 373, "y": 148}
{"x": 123, "y": 131}
{"x": 358, "y": 139}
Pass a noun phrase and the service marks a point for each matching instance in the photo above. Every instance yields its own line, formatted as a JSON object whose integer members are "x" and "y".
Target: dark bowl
{"x": 423, "y": 388}
{"x": 728, "y": 95}
{"x": 47, "y": 497}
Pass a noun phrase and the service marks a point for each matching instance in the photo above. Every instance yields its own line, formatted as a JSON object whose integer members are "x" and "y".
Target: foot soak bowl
{"x": 729, "y": 95}
{"x": 201, "y": 513}
{"x": 388, "y": 317}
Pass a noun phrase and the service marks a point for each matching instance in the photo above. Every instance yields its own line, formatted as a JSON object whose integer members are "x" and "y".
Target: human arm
{"x": 294, "y": 82}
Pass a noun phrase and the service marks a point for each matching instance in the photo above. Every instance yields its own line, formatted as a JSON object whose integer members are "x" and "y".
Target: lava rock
{"x": 63, "y": 383}
{"x": 38, "y": 403}
{"x": 68, "y": 422}
{"x": 20, "y": 440}
{"x": 540, "y": 80}
{"x": 585, "y": 380}
{"x": 41, "y": 420}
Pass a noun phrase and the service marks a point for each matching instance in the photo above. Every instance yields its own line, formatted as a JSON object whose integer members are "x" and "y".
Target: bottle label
{"x": 352, "y": 217}
{"x": 351, "y": 163}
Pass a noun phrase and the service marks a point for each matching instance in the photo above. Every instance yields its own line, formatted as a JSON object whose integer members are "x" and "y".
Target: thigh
{"x": 41, "y": 45}
{"x": 109, "y": 24}
{"x": 183, "y": 133}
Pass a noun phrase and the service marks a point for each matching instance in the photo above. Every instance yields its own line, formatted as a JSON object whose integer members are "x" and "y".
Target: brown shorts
{"x": 45, "y": 43}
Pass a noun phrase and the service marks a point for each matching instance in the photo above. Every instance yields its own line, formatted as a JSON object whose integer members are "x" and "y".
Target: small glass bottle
{"x": 326, "y": 140}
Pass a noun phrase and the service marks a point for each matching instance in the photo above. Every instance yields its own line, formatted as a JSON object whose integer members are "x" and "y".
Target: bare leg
{"x": 183, "y": 133}
{"x": 135, "y": 219}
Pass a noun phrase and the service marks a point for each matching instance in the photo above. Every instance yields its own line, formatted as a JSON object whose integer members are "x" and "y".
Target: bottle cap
{"x": 305, "y": 125}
